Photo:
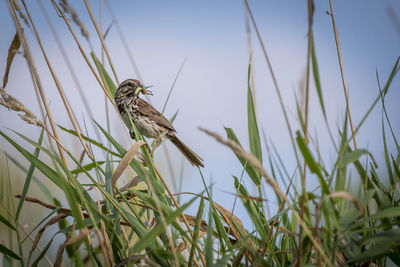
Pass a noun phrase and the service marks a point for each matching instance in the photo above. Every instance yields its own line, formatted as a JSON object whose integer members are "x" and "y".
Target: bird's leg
{"x": 132, "y": 134}
{"x": 158, "y": 139}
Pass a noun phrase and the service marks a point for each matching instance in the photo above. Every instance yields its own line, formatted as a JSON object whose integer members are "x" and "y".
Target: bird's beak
{"x": 138, "y": 90}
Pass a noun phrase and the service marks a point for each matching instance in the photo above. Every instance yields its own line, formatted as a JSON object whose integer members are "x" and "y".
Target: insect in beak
{"x": 145, "y": 91}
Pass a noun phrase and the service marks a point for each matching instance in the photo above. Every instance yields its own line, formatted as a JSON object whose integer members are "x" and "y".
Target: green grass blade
{"x": 6, "y": 222}
{"x": 174, "y": 116}
{"x": 315, "y": 69}
{"x": 254, "y": 135}
{"x": 253, "y": 211}
{"x": 209, "y": 253}
{"x": 28, "y": 178}
{"x": 387, "y": 213}
{"x": 88, "y": 167}
{"x": 312, "y": 164}
{"x": 121, "y": 150}
{"x": 352, "y": 156}
{"x": 196, "y": 231}
{"x": 221, "y": 233}
{"x": 253, "y": 174}
{"x": 94, "y": 142}
{"x": 385, "y": 90}
{"x": 300, "y": 115}
{"x": 341, "y": 169}
{"x": 44, "y": 251}
{"x": 380, "y": 244}
{"x": 107, "y": 81}
{"x": 173, "y": 86}
{"x": 393, "y": 73}
{"x": 386, "y": 153}
{"x": 4, "y": 250}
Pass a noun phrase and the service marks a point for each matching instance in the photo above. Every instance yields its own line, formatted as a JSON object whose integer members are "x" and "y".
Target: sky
{"x": 210, "y": 37}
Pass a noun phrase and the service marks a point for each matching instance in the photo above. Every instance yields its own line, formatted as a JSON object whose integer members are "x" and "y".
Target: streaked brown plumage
{"x": 147, "y": 119}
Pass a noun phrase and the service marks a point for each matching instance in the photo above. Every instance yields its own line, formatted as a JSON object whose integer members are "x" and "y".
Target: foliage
{"x": 142, "y": 223}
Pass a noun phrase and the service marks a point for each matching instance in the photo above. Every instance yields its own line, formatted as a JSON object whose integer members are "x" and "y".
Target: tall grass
{"x": 141, "y": 223}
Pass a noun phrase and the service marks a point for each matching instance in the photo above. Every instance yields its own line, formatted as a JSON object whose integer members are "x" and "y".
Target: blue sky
{"x": 211, "y": 90}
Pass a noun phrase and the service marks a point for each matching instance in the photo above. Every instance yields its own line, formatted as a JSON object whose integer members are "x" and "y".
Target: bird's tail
{"x": 192, "y": 157}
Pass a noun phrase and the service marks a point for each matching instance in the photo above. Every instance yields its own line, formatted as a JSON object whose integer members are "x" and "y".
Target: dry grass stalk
{"x": 62, "y": 247}
{"x": 46, "y": 205}
{"x": 12, "y": 50}
{"x": 52, "y": 221}
{"x": 74, "y": 15}
{"x": 339, "y": 53}
{"x": 18, "y": 8}
{"x": 131, "y": 183}
{"x": 126, "y": 160}
{"x": 107, "y": 243}
{"x": 60, "y": 252}
{"x": 102, "y": 247}
{"x": 81, "y": 235}
{"x": 349, "y": 197}
{"x": 68, "y": 212}
{"x": 12, "y": 103}
{"x": 237, "y": 228}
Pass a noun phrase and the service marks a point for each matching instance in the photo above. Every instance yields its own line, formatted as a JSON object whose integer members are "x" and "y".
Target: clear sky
{"x": 211, "y": 90}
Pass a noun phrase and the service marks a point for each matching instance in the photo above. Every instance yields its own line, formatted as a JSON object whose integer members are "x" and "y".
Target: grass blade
{"x": 196, "y": 231}
{"x": 8, "y": 252}
{"x": 94, "y": 142}
{"x": 352, "y": 156}
{"x": 107, "y": 81}
{"x": 12, "y": 50}
{"x": 209, "y": 254}
{"x": 253, "y": 174}
{"x": 315, "y": 69}
{"x": 28, "y": 178}
{"x": 6, "y": 222}
{"x": 254, "y": 135}
{"x": 312, "y": 164}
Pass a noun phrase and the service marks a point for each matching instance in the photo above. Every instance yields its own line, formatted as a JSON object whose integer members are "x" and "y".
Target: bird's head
{"x": 132, "y": 88}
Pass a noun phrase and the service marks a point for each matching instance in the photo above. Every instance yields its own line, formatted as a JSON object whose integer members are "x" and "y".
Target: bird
{"x": 149, "y": 122}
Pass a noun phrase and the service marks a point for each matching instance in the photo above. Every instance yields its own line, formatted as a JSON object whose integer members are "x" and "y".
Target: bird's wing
{"x": 148, "y": 110}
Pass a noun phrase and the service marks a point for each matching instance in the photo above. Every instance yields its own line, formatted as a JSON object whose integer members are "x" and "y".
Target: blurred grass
{"x": 141, "y": 223}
